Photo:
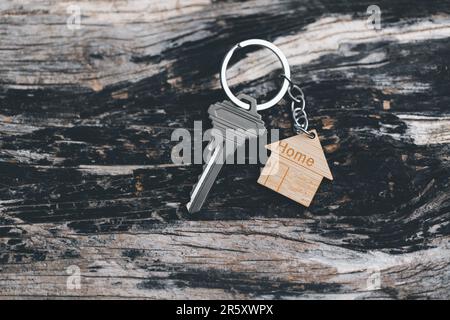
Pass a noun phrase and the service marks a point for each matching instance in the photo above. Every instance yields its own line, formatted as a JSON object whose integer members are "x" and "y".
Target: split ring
{"x": 281, "y": 57}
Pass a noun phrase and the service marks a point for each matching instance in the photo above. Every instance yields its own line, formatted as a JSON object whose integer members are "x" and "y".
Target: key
{"x": 224, "y": 115}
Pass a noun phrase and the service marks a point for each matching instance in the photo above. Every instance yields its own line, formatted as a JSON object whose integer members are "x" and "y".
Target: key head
{"x": 226, "y": 115}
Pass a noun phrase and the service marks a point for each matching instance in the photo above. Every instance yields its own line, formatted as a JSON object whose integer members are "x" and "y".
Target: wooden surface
{"x": 87, "y": 180}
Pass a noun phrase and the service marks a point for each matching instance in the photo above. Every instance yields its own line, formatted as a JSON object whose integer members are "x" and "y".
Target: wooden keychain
{"x": 297, "y": 164}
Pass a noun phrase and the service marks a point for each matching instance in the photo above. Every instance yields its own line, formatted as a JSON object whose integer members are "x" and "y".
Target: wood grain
{"x": 86, "y": 118}
{"x": 296, "y": 167}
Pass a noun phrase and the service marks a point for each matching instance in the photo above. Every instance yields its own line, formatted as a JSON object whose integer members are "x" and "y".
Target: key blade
{"x": 207, "y": 178}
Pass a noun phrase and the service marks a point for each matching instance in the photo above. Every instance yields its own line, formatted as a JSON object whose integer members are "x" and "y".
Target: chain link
{"x": 298, "y": 109}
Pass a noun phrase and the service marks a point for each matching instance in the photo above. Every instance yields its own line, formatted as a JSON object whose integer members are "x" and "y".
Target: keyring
{"x": 280, "y": 56}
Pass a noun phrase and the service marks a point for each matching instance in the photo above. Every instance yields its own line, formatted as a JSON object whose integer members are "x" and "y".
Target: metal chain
{"x": 298, "y": 109}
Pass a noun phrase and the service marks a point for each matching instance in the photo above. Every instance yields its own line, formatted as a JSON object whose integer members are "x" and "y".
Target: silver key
{"x": 224, "y": 115}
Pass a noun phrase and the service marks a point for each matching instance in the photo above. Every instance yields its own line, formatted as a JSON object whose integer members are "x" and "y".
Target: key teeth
{"x": 189, "y": 204}
{"x": 189, "y": 208}
{"x": 198, "y": 179}
{"x": 211, "y": 149}
{"x": 193, "y": 188}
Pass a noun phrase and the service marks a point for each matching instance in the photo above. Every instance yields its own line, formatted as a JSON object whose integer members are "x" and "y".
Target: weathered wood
{"x": 86, "y": 175}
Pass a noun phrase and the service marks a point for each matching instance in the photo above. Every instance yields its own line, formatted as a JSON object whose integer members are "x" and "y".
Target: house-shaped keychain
{"x": 296, "y": 167}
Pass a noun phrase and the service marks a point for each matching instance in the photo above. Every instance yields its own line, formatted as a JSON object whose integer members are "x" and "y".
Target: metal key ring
{"x": 280, "y": 56}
